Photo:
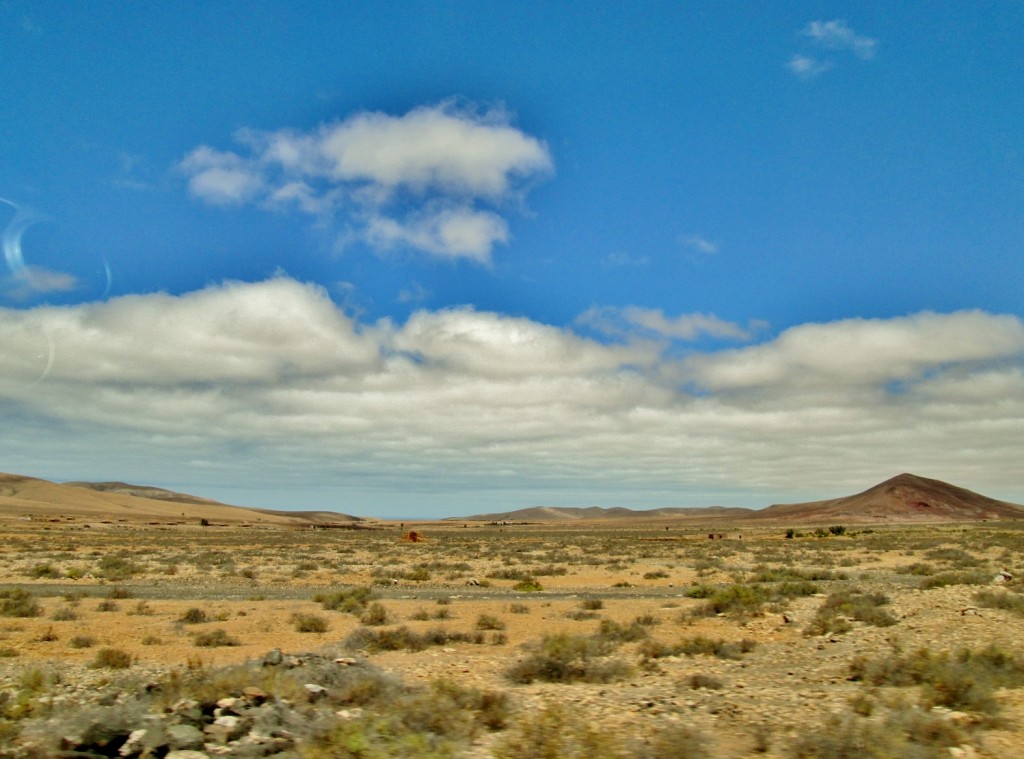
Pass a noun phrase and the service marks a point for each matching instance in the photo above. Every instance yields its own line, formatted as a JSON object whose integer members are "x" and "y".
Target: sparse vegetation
{"x": 112, "y": 658}
{"x": 566, "y": 658}
{"x": 309, "y": 623}
{"x": 214, "y": 639}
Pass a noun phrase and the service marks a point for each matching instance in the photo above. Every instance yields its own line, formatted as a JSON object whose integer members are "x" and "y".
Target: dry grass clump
{"x": 698, "y": 645}
{"x": 567, "y": 658}
{"x": 966, "y": 680}
{"x": 956, "y": 577}
{"x": 489, "y": 622}
{"x": 375, "y": 615}
{"x": 834, "y": 615}
{"x": 404, "y": 639}
{"x": 17, "y": 602}
{"x": 215, "y": 639}
{"x": 1007, "y": 601}
{"x": 350, "y": 600}
{"x": 112, "y": 658}
{"x": 555, "y": 732}
{"x": 194, "y": 616}
{"x": 910, "y": 734}
{"x": 309, "y": 623}
{"x": 737, "y": 600}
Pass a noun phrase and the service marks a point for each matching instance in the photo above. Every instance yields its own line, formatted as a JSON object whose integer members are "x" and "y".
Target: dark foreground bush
{"x": 555, "y": 732}
{"x": 909, "y": 735}
{"x": 380, "y": 717}
{"x": 966, "y": 680}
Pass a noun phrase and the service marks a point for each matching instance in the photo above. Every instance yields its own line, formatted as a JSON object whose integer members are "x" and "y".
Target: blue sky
{"x": 430, "y": 259}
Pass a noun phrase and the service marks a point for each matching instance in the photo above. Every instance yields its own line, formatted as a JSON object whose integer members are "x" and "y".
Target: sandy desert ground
{"x": 600, "y": 637}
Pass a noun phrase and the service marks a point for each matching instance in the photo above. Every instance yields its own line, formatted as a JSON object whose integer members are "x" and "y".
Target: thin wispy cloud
{"x": 807, "y": 67}
{"x": 699, "y": 244}
{"x": 622, "y": 259}
{"x": 835, "y": 36}
{"x": 634, "y": 321}
{"x": 439, "y": 179}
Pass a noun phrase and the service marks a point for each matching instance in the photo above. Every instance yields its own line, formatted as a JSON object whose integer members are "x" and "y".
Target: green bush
{"x": 350, "y": 600}
{"x": 529, "y": 585}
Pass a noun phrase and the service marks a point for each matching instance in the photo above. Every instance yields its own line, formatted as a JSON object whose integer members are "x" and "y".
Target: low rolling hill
{"x": 36, "y": 498}
{"x": 904, "y": 498}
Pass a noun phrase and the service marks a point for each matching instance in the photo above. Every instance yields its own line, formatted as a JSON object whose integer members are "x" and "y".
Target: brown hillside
{"x": 30, "y": 497}
{"x": 904, "y": 498}
{"x": 598, "y": 513}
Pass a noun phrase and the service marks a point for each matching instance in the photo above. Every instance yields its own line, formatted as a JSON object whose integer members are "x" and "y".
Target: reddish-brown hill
{"x": 904, "y": 498}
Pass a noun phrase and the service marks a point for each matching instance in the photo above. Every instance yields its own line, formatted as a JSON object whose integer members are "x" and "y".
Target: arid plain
{"x": 812, "y": 634}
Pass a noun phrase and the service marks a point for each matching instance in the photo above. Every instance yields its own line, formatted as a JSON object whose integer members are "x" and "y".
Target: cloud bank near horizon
{"x": 437, "y": 179}
{"x": 459, "y": 399}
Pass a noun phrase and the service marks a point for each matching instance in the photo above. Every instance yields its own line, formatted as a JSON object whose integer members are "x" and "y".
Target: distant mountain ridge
{"x": 22, "y": 496}
{"x": 571, "y": 513}
{"x": 903, "y": 498}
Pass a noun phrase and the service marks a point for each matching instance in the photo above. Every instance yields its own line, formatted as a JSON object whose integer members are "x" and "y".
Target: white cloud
{"x": 281, "y": 389}
{"x": 700, "y": 244}
{"x": 434, "y": 179}
{"x": 653, "y": 321}
{"x": 833, "y": 35}
{"x": 836, "y": 35}
{"x": 807, "y": 67}
{"x": 220, "y": 177}
{"x": 447, "y": 233}
{"x": 622, "y": 259}
{"x": 864, "y": 351}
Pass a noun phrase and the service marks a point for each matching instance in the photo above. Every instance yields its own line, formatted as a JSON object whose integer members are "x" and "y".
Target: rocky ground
{"x": 760, "y": 703}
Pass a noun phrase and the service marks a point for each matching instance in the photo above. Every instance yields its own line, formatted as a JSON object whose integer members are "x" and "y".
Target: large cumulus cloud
{"x": 438, "y": 178}
{"x": 272, "y": 379}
